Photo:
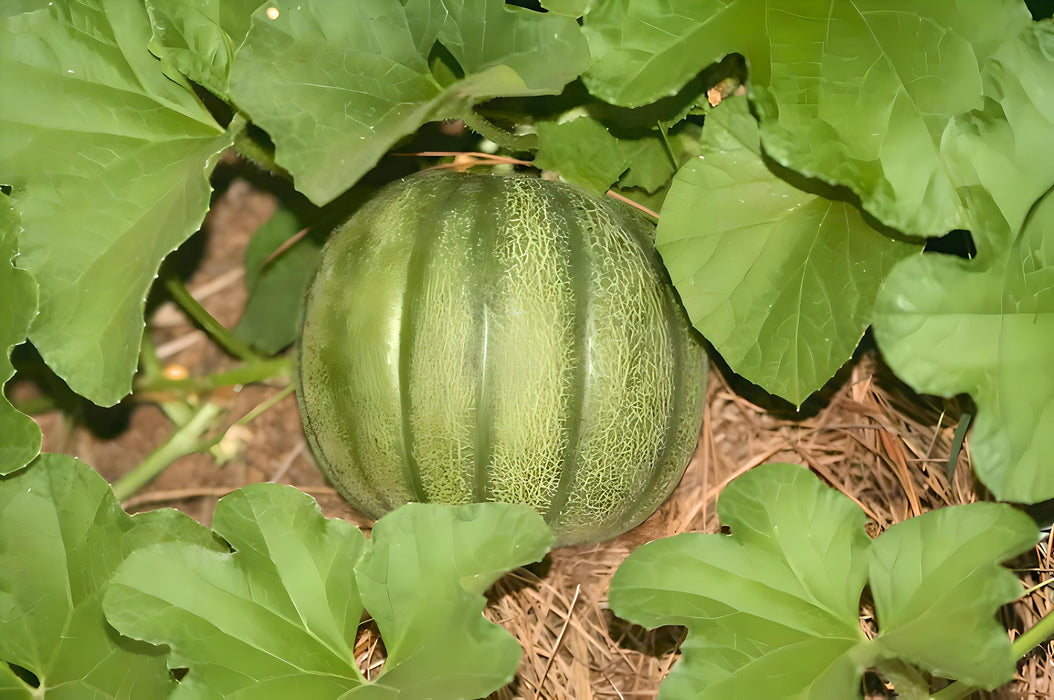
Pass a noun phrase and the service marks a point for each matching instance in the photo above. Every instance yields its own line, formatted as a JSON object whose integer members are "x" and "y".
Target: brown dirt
{"x": 871, "y": 438}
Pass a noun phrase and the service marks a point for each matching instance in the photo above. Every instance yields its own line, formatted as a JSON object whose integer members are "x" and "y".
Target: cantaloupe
{"x": 475, "y": 337}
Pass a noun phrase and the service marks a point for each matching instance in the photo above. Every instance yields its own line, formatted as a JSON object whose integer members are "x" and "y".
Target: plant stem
{"x": 257, "y": 153}
{"x": 179, "y": 412}
{"x": 1034, "y": 636}
{"x": 255, "y": 370}
{"x": 1029, "y": 640}
{"x": 183, "y": 442}
{"x": 509, "y": 141}
{"x": 204, "y": 319}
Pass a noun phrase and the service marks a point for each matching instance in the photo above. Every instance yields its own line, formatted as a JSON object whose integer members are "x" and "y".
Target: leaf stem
{"x": 181, "y": 443}
{"x": 179, "y": 412}
{"x": 1034, "y": 636}
{"x": 488, "y": 129}
{"x": 257, "y": 153}
{"x": 216, "y": 330}
{"x": 254, "y": 370}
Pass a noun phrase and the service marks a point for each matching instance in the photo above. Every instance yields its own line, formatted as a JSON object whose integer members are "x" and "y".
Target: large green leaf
{"x": 198, "y": 39}
{"x": 984, "y": 327}
{"x": 21, "y": 435}
{"x": 936, "y": 579}
{"x": 109, "y": 160}
{"x": 1004, "y": 151}
{"x": 859, "y": 94}
{"x": 782, "y": 281}
{"x": 772, "y": 611}
{"x": 336, "y": 84}
{"x": 279, "y": 614}
{"x": 62, "y": 535}
{"x": 862, "y": 94}
{"x": 644, "y": 50}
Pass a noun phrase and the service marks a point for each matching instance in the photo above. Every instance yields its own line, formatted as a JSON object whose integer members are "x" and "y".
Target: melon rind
{"x": 477, "y": 337}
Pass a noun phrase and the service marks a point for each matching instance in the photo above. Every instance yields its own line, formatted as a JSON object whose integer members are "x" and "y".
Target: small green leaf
{"x": 772, "y": 610}
{"x": 62, "y": 535}
{"x": 583, "y": 152}
{"x": 276, "y": 288}
{"x": 984, "y": 327}
{"x": 936, "y": 582}
{"x": 423, "y": 581}
{"x": 331, "y": 123}
{"x": 109, "y": 163}
{"x": 198, "y": 40}
{"x": 782, "y": 281}
{"x": 21, "y": 435}
{"x": 280, "y": 613}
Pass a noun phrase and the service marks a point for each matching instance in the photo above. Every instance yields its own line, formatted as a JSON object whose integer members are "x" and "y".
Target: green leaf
{"x": 859, "y": 94}
{"x": 862, "y": 95}
{"x": 280, "y": 613}
{"x": 781, "y": 280}
{"x": 1004, "y": 152}
{"x": 21, "y": 435}
{"x": 109, "y": 160}
{"x": 276, "y": 287}
{"x": 936, "y": 580}
{"x": 772, "y": 611}
{"x": 62, "y": 535}
{"x": 649, "y": 49}
{"x": 423, "y": 582}
{"x": 331, "y": 124}
{"x": 584, "y": 152}
{"x": 198, "y": 39}
{"x": 984, "y": 327}
{"x": 570, "y": 8}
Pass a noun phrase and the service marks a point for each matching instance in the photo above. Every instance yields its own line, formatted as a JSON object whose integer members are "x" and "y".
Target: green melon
{"x": 482, "y": 338}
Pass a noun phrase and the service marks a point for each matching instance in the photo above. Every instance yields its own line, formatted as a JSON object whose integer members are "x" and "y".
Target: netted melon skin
{"x": 481, "y": 338}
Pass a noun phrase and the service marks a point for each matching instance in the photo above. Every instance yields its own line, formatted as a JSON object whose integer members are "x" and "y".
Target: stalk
{"x": 181, "y": 443}
{"x": 255, "y": 370}
{"x": 216, "y": 330}
{"x": 509, "y": 141}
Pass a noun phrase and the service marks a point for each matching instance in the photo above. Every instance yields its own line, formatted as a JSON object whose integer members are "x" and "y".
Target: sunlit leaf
{"x": 773, "y": 610}
{"x": 62, "y": 535}
{"x": 781, "y": 280}
{"x": 109, "y": 161}
{"x": 336, "y": 84}
{"x": 281, "y": 612}
{"x": 198, "y": 39}
{"x": 984, "y": 327}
